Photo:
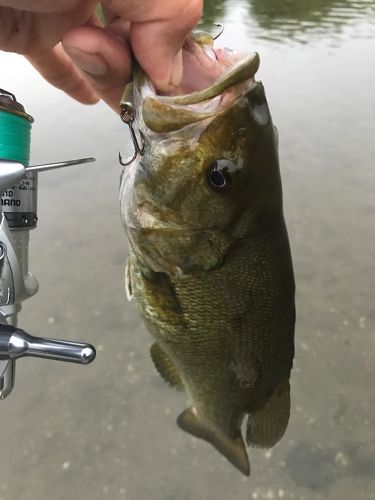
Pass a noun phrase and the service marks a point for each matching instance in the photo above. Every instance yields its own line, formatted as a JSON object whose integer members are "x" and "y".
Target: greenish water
{"x": 108, "y": 430}
{"x": 297, "y": 20}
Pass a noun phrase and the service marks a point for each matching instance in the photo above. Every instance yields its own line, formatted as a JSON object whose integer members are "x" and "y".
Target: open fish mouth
{"x": 205, "y": 65}
{"x": 213, "y": 78}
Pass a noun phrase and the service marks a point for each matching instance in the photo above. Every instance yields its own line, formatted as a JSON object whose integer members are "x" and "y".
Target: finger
{"x": 157, "y": 46}
{"x": 42, "y": 5}
{"x": 57, "y": 68}
{"x": 104, "y": 58}
{"x": 158, "y": 30}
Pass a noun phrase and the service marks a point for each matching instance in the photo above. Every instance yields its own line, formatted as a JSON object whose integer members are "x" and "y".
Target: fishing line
{"x": 18, "y": 201}
{"x": 15, "y": 132}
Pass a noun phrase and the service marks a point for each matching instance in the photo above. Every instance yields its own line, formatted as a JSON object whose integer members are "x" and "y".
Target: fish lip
{"x": 197, "y": 97}
{"x": 164, "y": 114}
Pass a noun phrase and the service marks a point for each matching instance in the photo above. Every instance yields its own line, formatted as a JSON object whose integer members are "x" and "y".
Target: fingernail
{"x": 91, "y": 63}
{"x": 177, "y": 70}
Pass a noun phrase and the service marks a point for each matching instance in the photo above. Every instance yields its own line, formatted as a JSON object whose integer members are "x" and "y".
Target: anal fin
{"x": 233, "y": 448}
{"x": 267, "y": 426}
{"x": 166, "y": 367}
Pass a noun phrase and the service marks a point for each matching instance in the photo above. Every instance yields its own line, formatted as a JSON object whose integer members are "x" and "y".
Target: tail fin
{"x": 233, "y": 449}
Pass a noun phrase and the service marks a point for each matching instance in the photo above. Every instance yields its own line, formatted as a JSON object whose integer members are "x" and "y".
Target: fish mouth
{"x": 213, "y": 79}
{"x": 209, "y": 71}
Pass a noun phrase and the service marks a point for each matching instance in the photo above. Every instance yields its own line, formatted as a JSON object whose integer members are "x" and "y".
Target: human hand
{"x": 94, "y": 62}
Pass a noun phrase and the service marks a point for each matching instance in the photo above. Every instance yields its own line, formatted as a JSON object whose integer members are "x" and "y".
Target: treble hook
{"x": 127, "y": 116}
{"x": 221, "y": 29}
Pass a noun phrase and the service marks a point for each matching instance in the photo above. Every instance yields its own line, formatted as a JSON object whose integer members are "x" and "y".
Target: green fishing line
{"x": 15, "y": 131}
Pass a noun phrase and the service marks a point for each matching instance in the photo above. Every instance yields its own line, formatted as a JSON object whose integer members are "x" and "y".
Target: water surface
{"x": 108, "y": 430}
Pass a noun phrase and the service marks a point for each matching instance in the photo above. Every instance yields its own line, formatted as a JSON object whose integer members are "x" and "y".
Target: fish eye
{"x": 219, "y": 174}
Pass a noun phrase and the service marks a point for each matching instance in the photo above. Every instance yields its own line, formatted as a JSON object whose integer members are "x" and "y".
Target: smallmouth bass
{"x": 210, "y": 265}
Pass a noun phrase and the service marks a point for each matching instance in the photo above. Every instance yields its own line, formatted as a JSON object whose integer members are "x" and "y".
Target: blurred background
{"x": 108, "y": 430}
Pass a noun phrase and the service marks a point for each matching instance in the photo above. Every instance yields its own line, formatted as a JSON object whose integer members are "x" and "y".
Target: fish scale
{"x": 210, "y": 265}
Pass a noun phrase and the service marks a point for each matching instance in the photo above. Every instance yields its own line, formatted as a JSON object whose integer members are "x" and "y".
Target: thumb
{"x": 103, "y": 58}
{"x": 157, "y": 46}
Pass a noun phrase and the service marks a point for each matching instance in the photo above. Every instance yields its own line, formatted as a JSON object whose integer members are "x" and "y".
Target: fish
{"x": 209, "y": 264}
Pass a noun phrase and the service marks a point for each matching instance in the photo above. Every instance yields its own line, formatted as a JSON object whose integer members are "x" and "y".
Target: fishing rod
{"x": 18, "y": 216}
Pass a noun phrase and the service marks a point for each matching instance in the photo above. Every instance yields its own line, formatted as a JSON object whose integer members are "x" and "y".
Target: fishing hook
{"x": 221, "y": 29}
{"x": 127, "y": 116}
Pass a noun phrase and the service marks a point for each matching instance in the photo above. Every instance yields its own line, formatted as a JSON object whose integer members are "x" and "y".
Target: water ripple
{"x": 299, "y": 20}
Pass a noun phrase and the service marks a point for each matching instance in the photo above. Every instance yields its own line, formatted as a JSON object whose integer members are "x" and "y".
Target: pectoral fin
{"x": 232, "y": 448}
{"x": 268, "y": 425}
{"x": 166, "y": 367}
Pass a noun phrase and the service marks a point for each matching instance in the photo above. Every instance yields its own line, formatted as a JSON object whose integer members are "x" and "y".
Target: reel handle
{"x": 16, "y": 343}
